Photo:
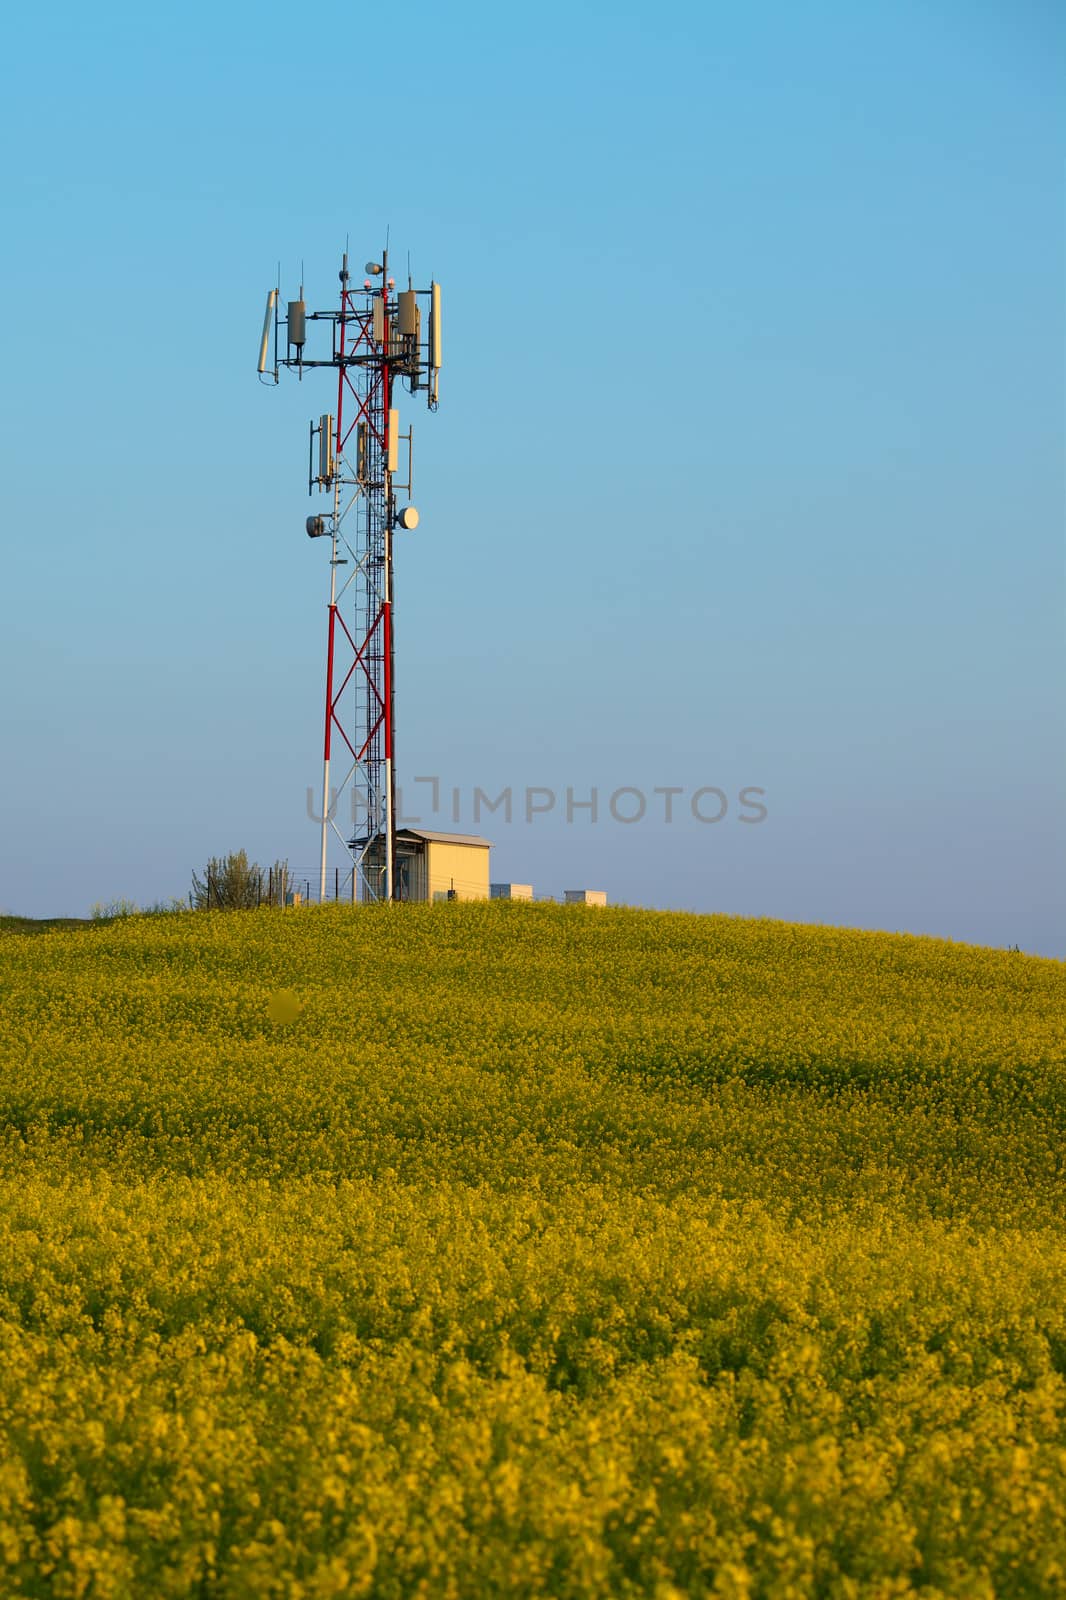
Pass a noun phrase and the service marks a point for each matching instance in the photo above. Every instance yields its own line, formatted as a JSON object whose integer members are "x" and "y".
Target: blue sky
{"x": 748, "y": 469}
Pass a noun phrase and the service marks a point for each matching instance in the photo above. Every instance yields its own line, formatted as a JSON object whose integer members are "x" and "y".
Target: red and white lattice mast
{"x": 377, "y": 348}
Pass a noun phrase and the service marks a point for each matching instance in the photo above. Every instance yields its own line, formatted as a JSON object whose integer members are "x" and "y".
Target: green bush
{"x": 233, "y": 883}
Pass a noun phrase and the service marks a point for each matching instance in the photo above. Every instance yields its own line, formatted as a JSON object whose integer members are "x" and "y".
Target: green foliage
{"x": 233, "y": 883}
{"x": 536, "y": 1252}
{"x": 107, "y": 911}
{"x": 10, "y": 923}
{"x": 111, "y": 910}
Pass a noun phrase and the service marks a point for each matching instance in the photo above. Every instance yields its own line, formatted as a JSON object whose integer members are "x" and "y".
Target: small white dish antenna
{"x": 408, "y": 517}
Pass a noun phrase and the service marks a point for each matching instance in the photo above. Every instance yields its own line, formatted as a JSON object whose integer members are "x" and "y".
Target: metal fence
{"x": 303, "y": 887}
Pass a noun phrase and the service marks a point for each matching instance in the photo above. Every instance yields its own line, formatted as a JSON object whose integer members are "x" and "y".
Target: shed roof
{"x": 432, "y": 837}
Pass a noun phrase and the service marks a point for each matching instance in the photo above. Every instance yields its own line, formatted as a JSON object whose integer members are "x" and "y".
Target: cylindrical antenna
{"x": 297, "y": 321}
{"x": 264, "y": 343}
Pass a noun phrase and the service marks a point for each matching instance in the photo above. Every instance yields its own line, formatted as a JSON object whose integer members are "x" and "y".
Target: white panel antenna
{"x": 268, "y": 318}
{"x": 434, "y": 327}
{"x": 325, "y": 449}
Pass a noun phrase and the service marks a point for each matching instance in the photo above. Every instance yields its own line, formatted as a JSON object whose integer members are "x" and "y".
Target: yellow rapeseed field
{"x": 516, "y": 1250}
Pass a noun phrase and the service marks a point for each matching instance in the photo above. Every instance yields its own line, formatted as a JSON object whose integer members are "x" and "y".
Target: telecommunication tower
{"x": 377, "y": 341}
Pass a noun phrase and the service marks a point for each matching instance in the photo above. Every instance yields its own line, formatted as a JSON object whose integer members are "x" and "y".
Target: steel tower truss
{"x": 376, "y": 348}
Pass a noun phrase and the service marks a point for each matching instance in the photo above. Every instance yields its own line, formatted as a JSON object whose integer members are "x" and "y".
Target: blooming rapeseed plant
{"x": 483, "y": 1250}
